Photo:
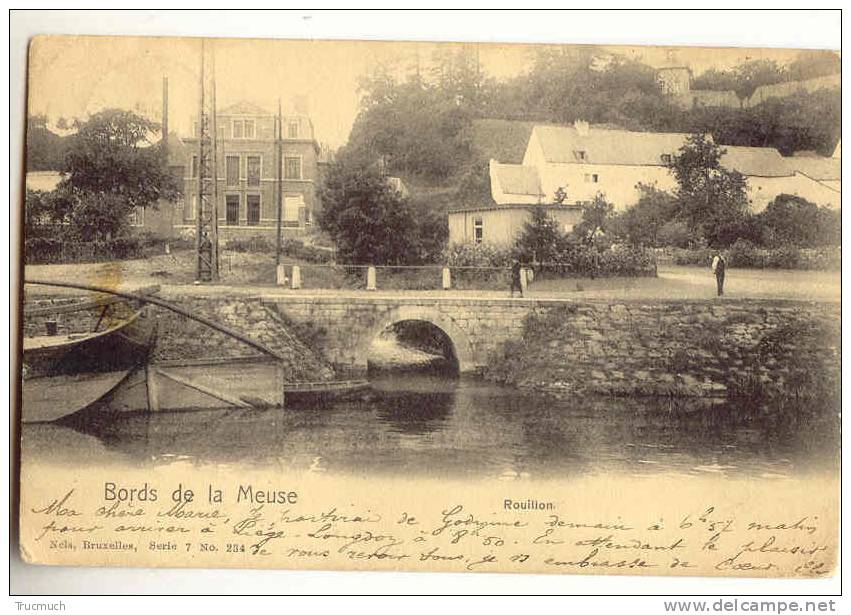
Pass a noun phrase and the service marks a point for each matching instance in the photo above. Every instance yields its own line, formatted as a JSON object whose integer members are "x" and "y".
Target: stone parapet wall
{"x": 678, "y": 348}
{"x": 701, "y": 349}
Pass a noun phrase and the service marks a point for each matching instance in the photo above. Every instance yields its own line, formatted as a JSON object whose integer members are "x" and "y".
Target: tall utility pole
{"x": 280, "y": 184}
{"x": 207, "y": 224}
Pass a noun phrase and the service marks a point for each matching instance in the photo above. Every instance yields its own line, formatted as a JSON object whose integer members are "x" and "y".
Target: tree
{"x": 640, "y": 224}
{"x": 596, "y": 217}
{"x": 370, "y": 223}
{"x": 755, "y": 73}
{"x": 711, "y": 199}
{"x": 813, "y": 63}
{"x": 111, "y": 168}
{"x": 45, "y": 150}
{"x": 790, "y": 220}
{"x": 540, "y": 239}
{"x": 111, "y": 154}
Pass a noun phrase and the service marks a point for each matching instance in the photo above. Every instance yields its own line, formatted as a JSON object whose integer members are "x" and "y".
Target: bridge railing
{"x": 395, "y": 277}
{"x": 336, "y": 277}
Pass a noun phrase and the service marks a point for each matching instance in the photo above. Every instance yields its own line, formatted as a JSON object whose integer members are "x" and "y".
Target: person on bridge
{"x": 719, "y": 265}
{"x": 516, "y": 272}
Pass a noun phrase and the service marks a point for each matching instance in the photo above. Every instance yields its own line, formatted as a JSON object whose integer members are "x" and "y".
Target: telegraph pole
{"x": 207, "y": 224}
{"x": 280, "y": 185}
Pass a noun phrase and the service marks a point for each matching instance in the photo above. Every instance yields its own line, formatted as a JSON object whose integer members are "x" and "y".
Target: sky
{"x": 73, "y": 76}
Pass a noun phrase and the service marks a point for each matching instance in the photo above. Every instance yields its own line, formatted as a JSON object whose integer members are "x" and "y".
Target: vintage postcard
{"x": 431, "y": 307}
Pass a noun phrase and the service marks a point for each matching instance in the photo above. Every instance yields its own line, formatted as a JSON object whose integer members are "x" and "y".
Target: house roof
{"x": 517, "y": 179}
{"x": 562, "y": 144}
{"x": 510, "y": 206}
{"x": 243, "y": 108}
{"x": 755, "y": 161}
{"x": 817, "y": 167}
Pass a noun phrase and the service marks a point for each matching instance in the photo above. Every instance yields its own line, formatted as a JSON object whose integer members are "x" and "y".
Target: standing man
{"x": 719, "y": 265}
{"x": 516, "y": 271}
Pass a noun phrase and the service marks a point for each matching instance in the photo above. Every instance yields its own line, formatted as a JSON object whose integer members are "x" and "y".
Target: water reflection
{"x": 428, "y": 425}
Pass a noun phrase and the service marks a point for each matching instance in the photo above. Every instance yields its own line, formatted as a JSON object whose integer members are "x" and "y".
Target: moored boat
{"x": 64, "y": 373}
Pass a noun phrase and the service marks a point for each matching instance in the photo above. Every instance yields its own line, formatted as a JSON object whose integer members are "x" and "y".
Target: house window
{"x": 591, "y": 178}
{"x": 232, "y": 209}
{"x": 232, "y": 170}
{"x": 292, "y": 167}
{"x": 252, "y": 205}
{"x": 478, "y": 230}
{"x": 137, "y": 217}
{"x": 666, "y": 158}
{"x": 292, "y": 130}
{"x": 580, "y": 154}
{"x": 242, "y": 129}
{"x": 293, "y": 205}
{"x": 193, "y": 170}
{"x": 253, "y": 170}
{"x": 193, "y": 207}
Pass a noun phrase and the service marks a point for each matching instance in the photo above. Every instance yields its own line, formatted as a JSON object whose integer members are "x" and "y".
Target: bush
{"x": 477, "y": 255}
{"x": 250, "y": 244}
{"x": 745, "y": 254}
{"x": 296, "y": 248}
{"x": 675, "y": 233}
{"x": 701, "y": 257}
{"x": 584, "y": 260}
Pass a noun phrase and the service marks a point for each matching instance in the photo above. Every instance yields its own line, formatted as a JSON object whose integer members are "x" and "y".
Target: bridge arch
{"x": 458, "y": 337}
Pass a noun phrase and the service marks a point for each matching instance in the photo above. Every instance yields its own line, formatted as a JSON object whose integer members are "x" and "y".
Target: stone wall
{"x": 678, "y": 348}
{"x": 704, "y": 349}
{"x": 180, "y": 338}
{"x": 681, "y": 348}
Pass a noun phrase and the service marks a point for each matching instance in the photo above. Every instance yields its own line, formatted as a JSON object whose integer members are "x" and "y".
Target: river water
{"x": 431, "y": 425}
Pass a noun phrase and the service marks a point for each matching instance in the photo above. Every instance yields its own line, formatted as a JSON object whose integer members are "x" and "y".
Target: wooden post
{"x": 153, "y": 392}
{"x": 370, "y": 278}
{"x": 280, "y": 380}
{"x": 447, "y": 278}
{"x": 296, "y": 277}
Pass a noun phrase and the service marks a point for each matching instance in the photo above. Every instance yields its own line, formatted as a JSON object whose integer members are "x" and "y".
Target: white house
{"x": 583, "y": 160}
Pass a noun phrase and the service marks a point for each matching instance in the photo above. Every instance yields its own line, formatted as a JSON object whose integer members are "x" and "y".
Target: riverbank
{"x": 676, "y": 349}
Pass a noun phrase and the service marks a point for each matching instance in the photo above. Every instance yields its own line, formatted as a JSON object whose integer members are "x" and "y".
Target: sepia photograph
{"x": 460, "y": 307}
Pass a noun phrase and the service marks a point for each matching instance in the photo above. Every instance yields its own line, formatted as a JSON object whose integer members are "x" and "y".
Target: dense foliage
{"x": 110, "y": 169}
{"x": 421, "y": 125}
{"x": 370, "y": 222}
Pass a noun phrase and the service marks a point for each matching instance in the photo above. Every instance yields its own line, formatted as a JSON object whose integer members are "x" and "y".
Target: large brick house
{"x": 247, "y": 178}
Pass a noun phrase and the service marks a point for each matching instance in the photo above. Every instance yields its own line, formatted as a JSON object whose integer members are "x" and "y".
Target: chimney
{"x": 582, "y": 127}
{"x": 165, "y": 115}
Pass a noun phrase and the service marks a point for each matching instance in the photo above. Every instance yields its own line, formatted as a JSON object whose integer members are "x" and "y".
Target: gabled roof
{"x": 517, "y": 179}
{"x": 756, "y": 161}
{"x": 243, "y": 108}
{"x": 563, "y": 144}
{"x": 817, "y": 167}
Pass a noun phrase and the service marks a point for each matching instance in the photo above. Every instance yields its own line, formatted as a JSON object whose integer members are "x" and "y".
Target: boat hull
{"x": 64, "y": 376}
{"x": 118, "y": 348}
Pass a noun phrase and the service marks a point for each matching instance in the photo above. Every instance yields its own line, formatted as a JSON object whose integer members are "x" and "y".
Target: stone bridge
{"x": 347, "y": 325}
